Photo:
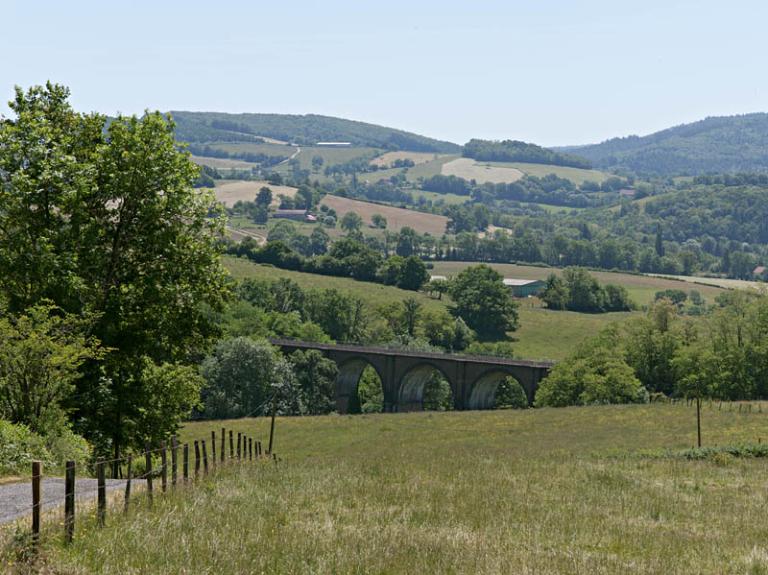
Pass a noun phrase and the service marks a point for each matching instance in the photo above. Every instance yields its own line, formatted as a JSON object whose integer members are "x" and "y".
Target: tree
{"x": 483, "y": 301}
{"x": 379, "y": 221}
{"x": 317, "y": 163}
{"x": 106, "y": 222}
{"x": 413, "y": 274}
{"x": 264, "y": 197}
{"x": 316, "y": 378}
{"x": 239, "y": 375}
{"x": 351, "y": 222}
{"x": 41, "y": 352}
{"x": 318, "y": 241}
{"x": 411, "y": 314}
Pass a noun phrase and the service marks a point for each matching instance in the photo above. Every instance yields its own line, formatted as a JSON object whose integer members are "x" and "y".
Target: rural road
{"x": 16, "y": 498}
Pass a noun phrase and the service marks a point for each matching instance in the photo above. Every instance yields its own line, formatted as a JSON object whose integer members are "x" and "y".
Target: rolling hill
{"x": 299, "y": 129}
{"x": 725, "y": 144}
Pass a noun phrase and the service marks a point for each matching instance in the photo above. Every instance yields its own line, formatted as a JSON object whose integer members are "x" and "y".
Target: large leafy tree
{"x": 102, "y": 219}
{"x": 482, "y": 300}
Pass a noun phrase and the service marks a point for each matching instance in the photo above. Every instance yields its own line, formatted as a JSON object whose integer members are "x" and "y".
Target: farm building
{"x": 524, "y": 288}
{"x": 760, "y": 272}
{"x": 295, "y": 215}
{"x": 438, "y": 278}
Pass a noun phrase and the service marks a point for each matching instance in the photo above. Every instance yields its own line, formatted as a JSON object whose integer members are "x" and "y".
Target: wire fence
{"x": 153, "y": 471}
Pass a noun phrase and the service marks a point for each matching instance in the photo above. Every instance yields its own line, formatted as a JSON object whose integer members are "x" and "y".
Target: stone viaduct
{"x": 403, "y": 374}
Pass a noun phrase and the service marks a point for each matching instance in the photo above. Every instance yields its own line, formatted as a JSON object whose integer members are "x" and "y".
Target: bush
{"x": 19, "y": 447}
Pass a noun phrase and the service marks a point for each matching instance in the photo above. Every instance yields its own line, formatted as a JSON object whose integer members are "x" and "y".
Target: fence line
{"x": 245, "y": 451}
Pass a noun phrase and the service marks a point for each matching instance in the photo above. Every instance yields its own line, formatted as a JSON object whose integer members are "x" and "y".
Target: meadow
{"x": 584, "y": 490}
{"x": 543, "y": 334}
{"x": 481, "y": 172}
{"x": 641, "y": 288}
{"x": 229, "y": 192}
{"x": 576, "y": 175}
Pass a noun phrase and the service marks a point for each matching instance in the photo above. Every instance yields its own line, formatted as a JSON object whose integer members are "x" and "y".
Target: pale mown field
{"x": 469, "y": 169}
{"x": 396, "y": 217}
{"x": 594, "y": 490}
{"x": 416, "y": 157}
{"x": 229, "y": 192}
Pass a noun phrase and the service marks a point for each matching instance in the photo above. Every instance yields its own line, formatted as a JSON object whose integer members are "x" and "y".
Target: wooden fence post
{"x": 164, "y": 469}
{"x": 186, "y": 462}
{"x": 239, "y": 439}
{"x": 148, "y": 460}
{"x": 213, "y": 448}
{"x": 128, "y": 484}
{"x": 231, "y": 445}
{"x": 205, "y": 459}
{"x": 197, "y": 459}
{"x": 250, "y": 449}
{"x": 272, "y": 423}
{"x": 69, "y": 501}
{"x": 223, "y": 435}
{"x": 37, "y": 504}
{"x": 258, "y": 451}
{"x": 101, "y": 485}
{"x": 174, "y": 461}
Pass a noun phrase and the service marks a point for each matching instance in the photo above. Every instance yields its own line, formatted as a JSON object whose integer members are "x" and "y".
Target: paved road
{"x": 16, "y": 498}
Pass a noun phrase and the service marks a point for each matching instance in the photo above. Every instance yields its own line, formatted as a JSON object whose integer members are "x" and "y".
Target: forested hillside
{"x": 300, "y": 129}
{"x": 516, "y": 151}
{"x": 714, "y": 145}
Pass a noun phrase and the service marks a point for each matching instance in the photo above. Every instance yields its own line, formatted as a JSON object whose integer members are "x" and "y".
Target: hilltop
{"x": 725, "y": 144}
{"x": 306, "y": 129}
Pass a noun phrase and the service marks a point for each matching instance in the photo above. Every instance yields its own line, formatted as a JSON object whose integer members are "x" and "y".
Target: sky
{"x": 553, "y": 72}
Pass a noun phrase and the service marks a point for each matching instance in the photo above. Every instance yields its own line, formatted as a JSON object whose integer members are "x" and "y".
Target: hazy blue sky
{"x": 551, "y": 72}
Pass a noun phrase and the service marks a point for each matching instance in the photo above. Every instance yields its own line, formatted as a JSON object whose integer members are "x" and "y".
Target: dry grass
{"x": 387, "y": 159}
{"x": 229, "y": 192}
{"x": 469, "y": 169}
{"x": 396, "y": 217}
{"x": 546, "y": 491}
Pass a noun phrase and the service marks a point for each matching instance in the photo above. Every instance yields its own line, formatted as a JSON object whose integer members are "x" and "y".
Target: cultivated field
{"x": 469, "y": 169}
{"x": 390, "y": 157}
{"x": 330, "y": 156}
{"x": 229, "y": 192}
{"x": 641, "y": 288}
{"x": 592, "y": 491}
{"x": 396, "y": 217}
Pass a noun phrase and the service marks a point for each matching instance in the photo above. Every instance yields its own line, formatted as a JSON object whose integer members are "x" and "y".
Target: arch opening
{"x": 498, "y": 390}
{"x": 425, "y": 388}
{"x": 359, "y": 388}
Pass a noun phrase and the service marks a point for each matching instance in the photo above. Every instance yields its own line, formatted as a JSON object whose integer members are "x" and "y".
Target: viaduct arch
{"x": 403, "y": 374}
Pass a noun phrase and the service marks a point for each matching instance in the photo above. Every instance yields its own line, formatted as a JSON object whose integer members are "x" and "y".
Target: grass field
{"x": 223, "y": 163}
{"x": 396, "y": 217}
{"x": 576, "y": 175}
{"x": 330, "y": 156}
{"x": 544, "y": 334}
{"x": 423, "y": 170}
{"x": 641, "y": 288}
{"x": 449, "y": 199}
{"x": 590, "y": 491}
{"x": 469, "y": 169}
{"x": 229, "y": 192}
{"x": 390, "y": 157}
{"x": 252, "y": 148}
{"x": 725, "y": 283}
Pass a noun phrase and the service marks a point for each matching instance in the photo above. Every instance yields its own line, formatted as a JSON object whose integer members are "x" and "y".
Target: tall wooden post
{"x": 239, "y": 439}
{"x": 148, "y": 461}
{"x": 128, "y": 484}
{"x": 272, "y": 424}
{"x": 205, "y": 458}
{"x": 186, "y": 462}
{"x": 698, "y": 420}
{"x": 69, "y": 501}
{"x": 231, "y": 444}
{"x": 213, "y": 448}
{"x": 101, "y": 486}
{"x": 164, "y": 469}
{"x": 223, "y": 450}
{"x": 37, "y": 503}
{"x": 197, "y": 459}
{"x": 174, "y": 461}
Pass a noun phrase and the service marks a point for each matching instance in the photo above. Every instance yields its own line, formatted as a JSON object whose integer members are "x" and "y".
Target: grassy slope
{"x": 576, "y": 175}
{"x": 641, "y": 288}
{"x": 544, "y": 334}
{"x": 541, "y": 491}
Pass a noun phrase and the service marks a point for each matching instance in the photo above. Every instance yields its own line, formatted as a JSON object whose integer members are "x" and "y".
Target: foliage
{"x": 595, "y": 374}
{"x": 577, "y": 290}
{"x": 41, "y": 353}
{"x": 19, "y": 446}
{"x": 483, "y": 301}
{"x": 302, "y": 129}
{"x": 316, "y": 378}
{"x": 510, "y": 395}
{"x": 104, "y": 220}
{"x": 516, "y": 151}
